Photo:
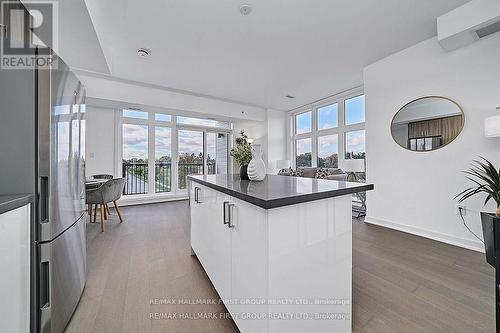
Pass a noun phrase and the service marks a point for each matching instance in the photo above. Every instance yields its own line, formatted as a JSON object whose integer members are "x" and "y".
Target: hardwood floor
{"x": 401, "y": 283}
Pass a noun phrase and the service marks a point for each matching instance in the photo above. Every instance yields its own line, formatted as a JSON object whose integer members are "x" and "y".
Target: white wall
{"x": 414, "y": 191}
{"x": 100, "y": 141}
{"x": 271, "y": 134}
{"x": 276, "y": 139}
{"x": 256, "y": 130}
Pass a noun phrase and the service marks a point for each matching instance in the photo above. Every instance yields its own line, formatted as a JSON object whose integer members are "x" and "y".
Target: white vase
{"x": 256, "y": 167}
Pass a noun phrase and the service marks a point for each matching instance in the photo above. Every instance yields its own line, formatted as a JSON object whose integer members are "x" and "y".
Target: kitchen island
{"x": 278, "y": 252}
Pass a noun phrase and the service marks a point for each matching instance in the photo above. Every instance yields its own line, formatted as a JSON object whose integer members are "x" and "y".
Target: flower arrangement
{"x": 242, "y": 153}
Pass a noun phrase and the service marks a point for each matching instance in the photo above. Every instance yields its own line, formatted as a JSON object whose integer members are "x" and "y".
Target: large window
{"x": 328, "y": 116}
{"x": 328, "y": 151}
{"x": 135, "y": 158}
{"x": 326, "y": 134}
{"x": 303, "y": 123}
{"x": 355, "y": 145}
{"x": 191, "y": 155}
{"x": 160, "y": 150}
{"x": 304, "y": 153}
{"x": 163, "y": 159}
{"x": 355, "y": 110}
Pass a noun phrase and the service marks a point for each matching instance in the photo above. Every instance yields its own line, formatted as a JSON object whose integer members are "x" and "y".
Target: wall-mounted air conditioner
{"x": 468, "y": 23}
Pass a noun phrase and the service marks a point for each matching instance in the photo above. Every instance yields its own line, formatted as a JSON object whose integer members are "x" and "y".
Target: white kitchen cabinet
{"x": 209, "y": 237}
{"x": 249, "y": 273}
{"x": 15, "y": 273}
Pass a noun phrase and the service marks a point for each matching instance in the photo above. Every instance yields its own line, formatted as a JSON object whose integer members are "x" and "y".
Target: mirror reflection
{"x": 427, "y": 123}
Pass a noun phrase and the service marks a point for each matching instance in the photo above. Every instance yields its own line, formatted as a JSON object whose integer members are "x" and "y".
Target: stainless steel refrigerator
{"x": 42, "y": 146}
{"x": 61, "y": 183}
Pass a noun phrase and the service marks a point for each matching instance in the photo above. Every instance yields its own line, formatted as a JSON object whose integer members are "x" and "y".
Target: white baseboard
{"x": 437, "y": 236}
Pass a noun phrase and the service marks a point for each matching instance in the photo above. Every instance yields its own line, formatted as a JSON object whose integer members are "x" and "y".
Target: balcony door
{"x": 217, "y": 147}
{"x": 201, "y": 152}
{"x": 190, "y": 154}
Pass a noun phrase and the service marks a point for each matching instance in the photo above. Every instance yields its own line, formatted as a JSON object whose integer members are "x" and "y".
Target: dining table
{"x": 94, "y": 183}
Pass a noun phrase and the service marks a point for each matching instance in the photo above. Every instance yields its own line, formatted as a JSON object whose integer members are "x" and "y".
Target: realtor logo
{"x": 28, "y": 27}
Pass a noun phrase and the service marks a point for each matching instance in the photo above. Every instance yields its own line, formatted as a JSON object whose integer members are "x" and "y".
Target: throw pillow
{"x": 296, "y": 173}
{"x": 285, "y": 172}
{"x": 322, "y": 173}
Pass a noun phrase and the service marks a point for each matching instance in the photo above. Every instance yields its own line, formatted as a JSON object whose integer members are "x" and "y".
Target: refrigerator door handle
{"x": 44, "y": 288}
{"x": 44, "y": 285}
{"x": 44, "y": 199}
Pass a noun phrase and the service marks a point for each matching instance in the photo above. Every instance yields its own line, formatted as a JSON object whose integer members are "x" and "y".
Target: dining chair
{"x": 110, "y": 191}
{"x": 105, "y": 177}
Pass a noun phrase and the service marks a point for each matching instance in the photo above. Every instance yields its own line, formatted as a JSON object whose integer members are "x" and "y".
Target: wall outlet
{"x": 463, "y": 209}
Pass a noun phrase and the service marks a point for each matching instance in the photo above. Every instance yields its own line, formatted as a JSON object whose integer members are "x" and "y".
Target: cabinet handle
{"x": 230, "y": 215}
{"x": 224, "y": 212}
{"x": 196, "y": 195}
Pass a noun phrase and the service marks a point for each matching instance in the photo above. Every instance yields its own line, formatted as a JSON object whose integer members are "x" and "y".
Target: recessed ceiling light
{"x": 245, "y": 9}
{"x": 143, "y": 52}
{"x": 290, "y": 96}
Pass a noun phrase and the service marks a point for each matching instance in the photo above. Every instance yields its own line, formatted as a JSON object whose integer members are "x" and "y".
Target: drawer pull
{"x": 225, "y": 212}
{"x": 230, "y": 224}
{"x": 197, "y": 195}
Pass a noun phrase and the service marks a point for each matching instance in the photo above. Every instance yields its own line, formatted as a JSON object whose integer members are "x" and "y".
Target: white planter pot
{"x": 256, "y": 167}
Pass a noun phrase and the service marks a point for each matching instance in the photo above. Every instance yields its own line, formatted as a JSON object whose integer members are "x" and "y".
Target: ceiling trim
{"x": 160, "y": 87}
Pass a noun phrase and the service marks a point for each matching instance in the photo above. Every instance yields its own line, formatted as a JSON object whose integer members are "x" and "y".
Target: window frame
{"x": 340, "y": 130}
{"x": 152, "y": 123}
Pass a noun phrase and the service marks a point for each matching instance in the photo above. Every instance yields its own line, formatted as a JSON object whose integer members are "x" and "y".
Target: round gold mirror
{"x": 427, "y": 123}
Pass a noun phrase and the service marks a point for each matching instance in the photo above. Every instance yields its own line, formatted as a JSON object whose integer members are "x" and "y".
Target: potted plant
{"x": 486, "y": 179}
{"x": 242, "y": 154}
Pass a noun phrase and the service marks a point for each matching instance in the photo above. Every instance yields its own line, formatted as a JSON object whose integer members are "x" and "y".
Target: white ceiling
{"x": 309, "y": 49}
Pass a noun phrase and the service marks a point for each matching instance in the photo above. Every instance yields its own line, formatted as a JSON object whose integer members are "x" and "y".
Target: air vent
{"x": 488, "y": 30}
{"x": 245, "y": 9}
{"x": 143, "y": 52}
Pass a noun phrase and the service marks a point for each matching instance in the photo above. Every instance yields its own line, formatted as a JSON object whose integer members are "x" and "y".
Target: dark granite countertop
{"x": 13, "y": 201}
{"x": 278, "y": 191}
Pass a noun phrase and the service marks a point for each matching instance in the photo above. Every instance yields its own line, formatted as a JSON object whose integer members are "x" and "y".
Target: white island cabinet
{"x": 15, "y": 263}
{"x": 278, "y": 252}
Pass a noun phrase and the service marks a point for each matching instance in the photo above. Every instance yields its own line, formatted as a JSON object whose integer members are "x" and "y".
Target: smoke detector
{"x": 143, "y": 52}
{"x": 245, "y": 9}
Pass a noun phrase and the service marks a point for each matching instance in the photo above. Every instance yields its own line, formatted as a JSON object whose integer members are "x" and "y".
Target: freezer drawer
{"x": 62, "y": 277}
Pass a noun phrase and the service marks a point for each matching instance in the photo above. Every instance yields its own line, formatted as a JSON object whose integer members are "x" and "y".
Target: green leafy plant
{"x": 486, "y": 179}
{"x": 242, "y": 153}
